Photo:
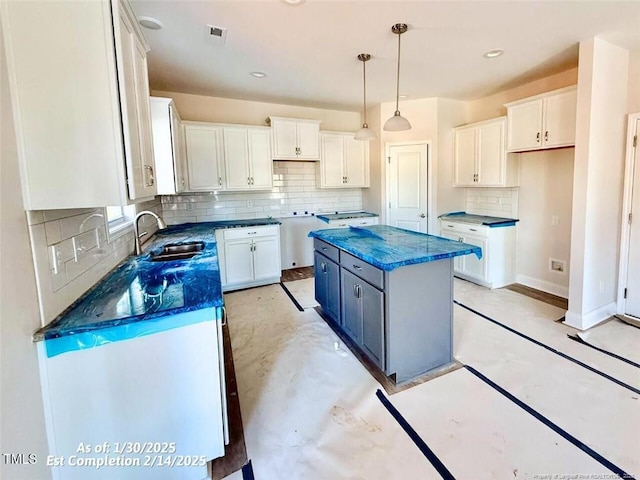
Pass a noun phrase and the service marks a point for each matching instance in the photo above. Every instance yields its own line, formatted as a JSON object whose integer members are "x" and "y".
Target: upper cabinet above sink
{"x": 80, "y": 98}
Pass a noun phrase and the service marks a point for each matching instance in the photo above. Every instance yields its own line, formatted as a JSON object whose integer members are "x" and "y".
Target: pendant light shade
{"x": 365, "y": 133}
{"x": 397, "y": 122}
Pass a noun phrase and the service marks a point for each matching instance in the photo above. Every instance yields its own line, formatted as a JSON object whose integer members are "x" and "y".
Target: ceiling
{"x": 309, "y": 51}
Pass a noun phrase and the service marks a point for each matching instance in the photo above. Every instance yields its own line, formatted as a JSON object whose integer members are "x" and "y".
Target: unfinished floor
{"x": 310, "y": 409}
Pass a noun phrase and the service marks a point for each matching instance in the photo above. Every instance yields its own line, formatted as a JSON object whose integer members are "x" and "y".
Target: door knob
{"x": 422, "y": 215}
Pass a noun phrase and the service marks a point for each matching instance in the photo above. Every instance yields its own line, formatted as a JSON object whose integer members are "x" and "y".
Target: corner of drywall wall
{"x": 22, "y": 429}
{"x": 634, "y": 82}
{"x": 372, "y": 197}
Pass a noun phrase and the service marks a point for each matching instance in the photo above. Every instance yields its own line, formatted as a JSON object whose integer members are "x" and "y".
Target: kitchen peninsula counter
{"x": 390, "y": 291}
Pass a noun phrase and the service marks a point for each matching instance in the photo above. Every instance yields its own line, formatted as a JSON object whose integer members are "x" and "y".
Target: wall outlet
{"x": 554, "y": 220}
{"x": 249, "y": 203}
{"x": 557, "y": 265}
{"x": 189, "y": 206}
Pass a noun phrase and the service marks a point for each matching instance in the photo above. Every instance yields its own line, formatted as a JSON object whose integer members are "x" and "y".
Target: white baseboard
{"x": 552, "y": 288}
{"x": 585, "y": 321}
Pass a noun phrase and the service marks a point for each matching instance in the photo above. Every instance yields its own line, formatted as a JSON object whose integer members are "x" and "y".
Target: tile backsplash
{"x": 294, "y": 192}
{"x": 496, "y": 202}
{"x": 72, "y": 251}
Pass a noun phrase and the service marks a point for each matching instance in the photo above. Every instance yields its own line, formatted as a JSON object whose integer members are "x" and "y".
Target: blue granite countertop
{"x": 140, "y": 290}
{"x": 388, "y": 247}
{"x": 479, "y": 219}
{"x": 342, "y": 216}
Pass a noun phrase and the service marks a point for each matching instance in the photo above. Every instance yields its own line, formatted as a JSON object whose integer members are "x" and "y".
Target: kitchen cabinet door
{"x": 372, "y": 301}
{"x": 320, "y": 279}
{"x": 464, "y": 153}
{"x": 351, "y": 307}
{"x": 295, "y": 139}
{"x": 239, "y": 260}
{"x": 266, "y": 257}
{"x": 179, "y": 151}
{"x": 204, "y": 157}
{"x": 327, "y": 285}
{"x": 457, "y": 261}
{"x": 332, "y": 160}
{"x": 491, "y": 155}
{"x": 168, "y": 147}
{"x": 356, "y": 163}
{"x": 285, "y": 142}
{"x": 260, "y": 161}
{"x": 308, "y": 141}
{"x": 560, "y": 119}
{"x": 473, "y": 266}
{"x": 525, "y": 126}
{"x": 236, "y": 158}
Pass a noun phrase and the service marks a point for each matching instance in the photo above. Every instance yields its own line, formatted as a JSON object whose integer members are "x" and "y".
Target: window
{"x": 119, "y": 220}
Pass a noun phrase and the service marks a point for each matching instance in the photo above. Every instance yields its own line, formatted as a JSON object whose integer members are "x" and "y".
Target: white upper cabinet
{"x": 544, "y": 121}
{"x": 480, "y": 157}
{"x": 295, "y": 139}
{"x": 247, "y": 158}
{"x": 344, "y": 162}
{"x": 168, "y": 147}
{"x": 79, "y": 95}
{"x": 204, "y": 156}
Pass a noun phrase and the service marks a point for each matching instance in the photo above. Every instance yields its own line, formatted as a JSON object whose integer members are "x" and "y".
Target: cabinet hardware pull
{"x": 449, "y": 225}
{"x": 473, "y": 229}
{"x": 224, "y": 316}
{"x": 357, "y": 267}
{"x": 354, "y": 290}
{"x": 460, "y": 239}
{"x": 324, "y": 249}
{"x": 538, "y": 137}
{"x": 220, "y": 181}
{"x": 546, "y": 136}
{"x": 323, "y": 267}
{"x": 358, "y": 291}
{"x": 248, "y": 180}
{"x": 422, "y": 215}
{"x": 252, "y": 181}
{"x": 151, "y": 179}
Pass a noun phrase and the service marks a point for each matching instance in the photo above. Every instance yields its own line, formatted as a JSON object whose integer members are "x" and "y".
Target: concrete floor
{"x": 310, "y": 410}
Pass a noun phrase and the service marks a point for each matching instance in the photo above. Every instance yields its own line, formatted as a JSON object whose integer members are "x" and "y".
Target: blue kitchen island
{"x": 390, "y": 291}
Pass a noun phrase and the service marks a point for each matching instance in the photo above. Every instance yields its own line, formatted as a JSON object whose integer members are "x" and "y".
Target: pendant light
{"x": 365, "y": 133}
{"x": 398, "y": 122}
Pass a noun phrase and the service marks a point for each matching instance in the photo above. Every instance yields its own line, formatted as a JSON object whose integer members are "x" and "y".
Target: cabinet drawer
{"x": 364, "y": 270}
{"x": 250, "y": 232}
{"x": 327, "y": 250}
{"x": 467, "y": 228}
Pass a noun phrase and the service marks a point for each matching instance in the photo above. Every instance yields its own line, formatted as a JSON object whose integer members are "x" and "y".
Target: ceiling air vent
{"x": 217, "y": 35}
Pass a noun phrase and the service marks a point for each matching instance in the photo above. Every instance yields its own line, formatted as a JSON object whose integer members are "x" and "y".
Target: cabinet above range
{"x": 80, "y": 97}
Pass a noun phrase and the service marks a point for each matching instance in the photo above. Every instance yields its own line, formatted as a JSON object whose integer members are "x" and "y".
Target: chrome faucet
{"x": 137, "y": 235}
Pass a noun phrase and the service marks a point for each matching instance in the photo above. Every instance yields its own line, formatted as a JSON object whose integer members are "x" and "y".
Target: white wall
{"x": 603, "y": 75}
{"x": 372, "y": 200}
{"x": 634, "y": 82}
{"x": 22, "y": 428}
{"x": 226, "y": 110}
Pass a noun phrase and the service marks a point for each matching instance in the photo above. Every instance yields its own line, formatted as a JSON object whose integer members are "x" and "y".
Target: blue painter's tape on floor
{"x": 553, "y": 350}
{"x": 247, "y": 471}
{"x": 424, "y": 448}
{"x": 589, "y": 451}
{"x": 577, "y": 339}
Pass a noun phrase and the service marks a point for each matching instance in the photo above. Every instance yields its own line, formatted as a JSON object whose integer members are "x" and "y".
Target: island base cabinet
{"x": 163, "y": 388}
{"x": 327, "y": 286}
{"x": 351, "y": 306}
{"x": 419, "y": 329}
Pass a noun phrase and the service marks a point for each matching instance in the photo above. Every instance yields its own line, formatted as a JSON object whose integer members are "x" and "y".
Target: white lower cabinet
{"x": 496, "y": 268}
{"x": 249, "y": 257}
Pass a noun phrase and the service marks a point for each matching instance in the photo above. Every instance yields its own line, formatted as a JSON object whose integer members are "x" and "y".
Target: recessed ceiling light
{"x": 496, "y": 52}
{"x": 404, "y": 95}
{"x": 293, "y": 2}
{"x": 258, "y": 74}
{"x": 150, "y": 23}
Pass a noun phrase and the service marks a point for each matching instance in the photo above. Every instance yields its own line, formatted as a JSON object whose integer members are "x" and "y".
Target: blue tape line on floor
{"x": 547, "y": 347}
{"x": 247, "y": 471}
{"x": 579, "y": 340}
{"x": 592, "y": 453}
{"x": 427, "y": 452}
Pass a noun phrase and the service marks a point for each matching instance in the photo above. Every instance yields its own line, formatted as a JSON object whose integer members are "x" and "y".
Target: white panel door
{"x": 261, "y": 163}
{"x": 236, "y": 158}
{"x": 464, "y": 154}
{"x": 308, "y": 141}
{"x": 238, "y": 255}
{"x": 560, "y": 119}
{"x": 525, "y": 126}
{"x": 266, "y": 257}
{"x": 284, "y": 139}
{"x": 407, "y": 187}
{"x": 356, "y": 166}
{"x": 204, "y": 157}
{"x": 632, "y": 303}
{"x": 332, "y": 161}
{"x": 491, "y": 152}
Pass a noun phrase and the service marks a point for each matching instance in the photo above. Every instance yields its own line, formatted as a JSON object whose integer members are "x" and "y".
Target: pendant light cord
{"x": 398, "y": 77}
{"x": 364, "y": 81}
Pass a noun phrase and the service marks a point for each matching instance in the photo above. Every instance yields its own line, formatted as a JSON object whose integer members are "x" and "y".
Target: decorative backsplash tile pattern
{"x": 72, "y": 252}
{"x": 497, "y": 202}
{"x": 294, "y": 192}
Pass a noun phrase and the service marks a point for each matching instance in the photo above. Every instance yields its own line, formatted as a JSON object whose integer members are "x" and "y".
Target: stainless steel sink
{"x": 178, "y": 251}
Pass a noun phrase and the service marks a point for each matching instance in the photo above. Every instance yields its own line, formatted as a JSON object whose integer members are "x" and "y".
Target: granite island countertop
{"x": 344, "y": 216}
{"x": 387, "y": 247}
{"x": 140, "y": 293}
{"x": 487, "y": 220}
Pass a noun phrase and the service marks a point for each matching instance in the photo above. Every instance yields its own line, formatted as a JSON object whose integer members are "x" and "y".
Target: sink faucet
{"x": 137, "y": 235}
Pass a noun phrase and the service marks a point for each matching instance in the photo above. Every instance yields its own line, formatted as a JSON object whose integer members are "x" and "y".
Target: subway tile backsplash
{"x": 496, "y": 202}
{"x": 72, "y": 252}
{"x": 294, "y": 192}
